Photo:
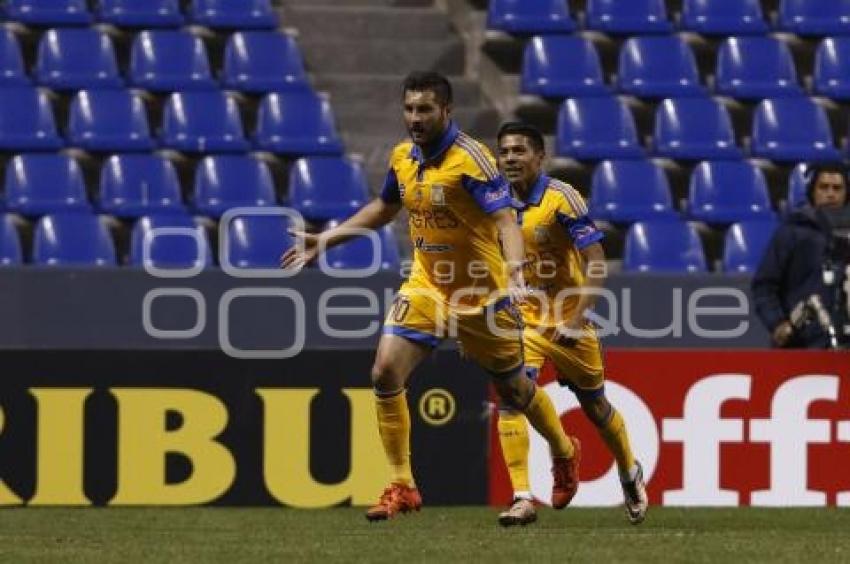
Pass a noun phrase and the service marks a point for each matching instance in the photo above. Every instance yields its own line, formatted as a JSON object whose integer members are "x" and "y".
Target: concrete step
{"x": 367, "y": 23}
{"x": 384, "y": 91}
{"x": 383, "y": 56}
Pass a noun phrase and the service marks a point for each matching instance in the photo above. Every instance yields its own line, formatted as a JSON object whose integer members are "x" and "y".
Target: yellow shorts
{"x": 495, "y": 345}
{"x": 578, "y": 364}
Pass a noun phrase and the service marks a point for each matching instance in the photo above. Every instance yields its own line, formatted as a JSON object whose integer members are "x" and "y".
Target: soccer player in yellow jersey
{"x": 467, "y": 275}
{"x": 563, "y": 256}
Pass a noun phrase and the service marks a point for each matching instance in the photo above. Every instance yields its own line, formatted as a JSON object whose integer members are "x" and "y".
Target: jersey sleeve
{"x": 390, "y": 192}
{"x": 572, "y": 214}
{"x": 482, "y": 180}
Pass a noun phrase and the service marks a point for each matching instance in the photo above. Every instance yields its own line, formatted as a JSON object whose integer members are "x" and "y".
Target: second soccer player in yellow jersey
{"x": 563, "y": 254}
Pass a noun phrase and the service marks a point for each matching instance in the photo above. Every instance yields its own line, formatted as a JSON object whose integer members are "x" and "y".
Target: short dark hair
{"x": 421, "y": 81}
{"x": 813, "y": 172}
{"x": 526, "y": 130}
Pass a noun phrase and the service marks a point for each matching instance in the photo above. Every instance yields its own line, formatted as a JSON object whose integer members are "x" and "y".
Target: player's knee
{"x": 514, "y": 392}
{"x": 385, "y": 376}
{"x": 597, "y": 409}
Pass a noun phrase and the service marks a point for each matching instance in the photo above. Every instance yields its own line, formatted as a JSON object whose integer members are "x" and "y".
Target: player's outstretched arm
{"x": 373, "y": 215}
{"x": 513, "y": 251}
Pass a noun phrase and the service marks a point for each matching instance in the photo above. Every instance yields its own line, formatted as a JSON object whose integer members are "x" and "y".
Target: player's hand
{"x": 303, "y": 252}
{"x": 570, "y": 331}
{"x": 517, "y": 290}
{"x": 782, "y": 334}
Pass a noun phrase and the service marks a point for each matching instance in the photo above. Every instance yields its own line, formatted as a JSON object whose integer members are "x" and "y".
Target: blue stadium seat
{"x": 297, "y": 123}
{"x": 139, "y": 184}
{"x": 26, "y": 120}
{"x": 244, "y": 14}
{"x": 48, "y": 12}
{"x": 658, "y": 67}
{"x": 663, "y": 246}
{"x": 169, "y": 250}
{"x": 756, "y": 67}
{"x": 72, "y": 239}
{"x": 721, "y": 17}
{"x": 728, "y": 191}
{"x": 256, "y": 242}
{"x": 140, "y": 13}
{"x": 323, "y": 188}
{"x": 10, "y": 242}
{"x": 168, "y": 60}
{"x": 70, "y": 59}
{"x": 627, "y": 191}
{"x": 229, "y": 181}
{"x": 815, "y": 17}
{"x": 745, "y": 244}
{"x": 628, "y": 16}
{"x": 797, "y": 187}
{"x": 792, "y": 129}
{"x": 200, "y": 122}
{"x": 597, "y": 128}
{"x": 44, "y": 183}
{"x": 694, "y": 129}
{"x": 109, "y": 120}
{"x": 522, "y": 16}
{"x": 263, "y": 61}
{"x": 560, "y": 66}
{"x": 832, "y": 68}
{"x": 12, "y": 69}
{"x": 360, "y": 252}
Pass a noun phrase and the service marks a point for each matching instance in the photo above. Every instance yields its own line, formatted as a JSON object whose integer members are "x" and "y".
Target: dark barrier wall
{"x": 129, "y": 309}
{"x": 190, "y": 427}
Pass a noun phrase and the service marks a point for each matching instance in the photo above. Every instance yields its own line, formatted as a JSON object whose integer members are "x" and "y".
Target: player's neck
{"x": 522, "y": 189}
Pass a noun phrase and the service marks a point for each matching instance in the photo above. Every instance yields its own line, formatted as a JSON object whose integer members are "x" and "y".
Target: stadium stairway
{"x": 360, "y": 50}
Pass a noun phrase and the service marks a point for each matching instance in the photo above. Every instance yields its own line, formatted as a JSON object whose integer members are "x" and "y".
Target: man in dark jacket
{"x": 792, "y": 268}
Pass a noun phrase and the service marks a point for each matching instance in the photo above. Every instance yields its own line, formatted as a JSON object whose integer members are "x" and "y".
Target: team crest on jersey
{"x": 438, "y": 196}
{"x": 541, "y": 234}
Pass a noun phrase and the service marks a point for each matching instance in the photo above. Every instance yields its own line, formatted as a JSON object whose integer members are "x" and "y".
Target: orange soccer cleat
{"x": 565, "y": 474}
{"x": 397, "y": 498}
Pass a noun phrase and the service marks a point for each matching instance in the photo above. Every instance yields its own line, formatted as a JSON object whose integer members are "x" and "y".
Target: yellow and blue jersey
{"x": 449, "y": 196}
{"x": 555, "y": 227}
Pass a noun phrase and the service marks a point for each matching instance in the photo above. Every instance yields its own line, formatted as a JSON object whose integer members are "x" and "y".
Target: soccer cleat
{"x": 565, "y": 475}
{"x": 634, "y": 493}
{"x": 521, "y": 512}
{"x": 397, "y": 498}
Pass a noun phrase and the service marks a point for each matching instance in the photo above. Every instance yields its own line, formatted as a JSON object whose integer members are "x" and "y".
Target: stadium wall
{"x": 103, "y": 404}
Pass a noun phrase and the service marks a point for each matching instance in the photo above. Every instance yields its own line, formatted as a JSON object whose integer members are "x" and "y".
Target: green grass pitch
{"x": 437, "y": 534}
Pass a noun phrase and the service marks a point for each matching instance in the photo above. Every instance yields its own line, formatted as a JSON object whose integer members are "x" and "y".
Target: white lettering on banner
{"x": 605, "y": 490}
{"x": 674, "y": 329}
{"x": 843, "y": 433}
{"x": 701, "y": 430}
{"x": 741, "y": 309}
{"x": 789, "y": 432}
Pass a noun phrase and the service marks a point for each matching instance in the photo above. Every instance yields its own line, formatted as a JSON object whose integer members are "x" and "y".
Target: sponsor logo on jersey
{"x": 495, "y": 195}
{"x": 541, "y": 234}
{"x": 431, "y": 247}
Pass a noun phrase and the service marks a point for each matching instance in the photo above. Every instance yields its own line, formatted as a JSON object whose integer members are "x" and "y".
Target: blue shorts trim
{"x": 583, "y": 394}
{"x": 412, "y": 335}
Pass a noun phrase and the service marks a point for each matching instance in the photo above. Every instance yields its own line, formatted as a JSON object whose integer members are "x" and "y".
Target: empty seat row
{"x": 296, "y": 123}
{"x": 784, "y": 129}
{"x": 721, "y": 192}
{"x": 177, "y": 241}
{"x": 228, "y": 14}
{"x": 160, "y": 61}
{"x": 560, "y": 66}
{"x": 320, "y": 188}
{"x": 673, "y": 246}
{"x": 709, "y": 17}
